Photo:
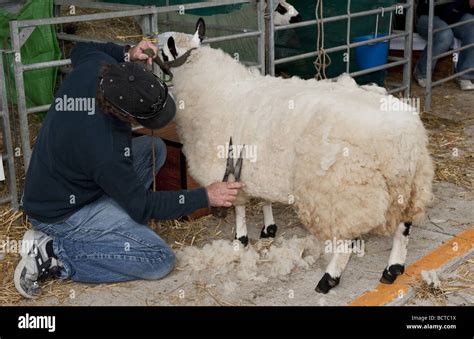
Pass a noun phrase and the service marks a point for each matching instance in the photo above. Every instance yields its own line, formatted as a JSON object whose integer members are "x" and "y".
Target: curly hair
{"x": 106, "y": 106}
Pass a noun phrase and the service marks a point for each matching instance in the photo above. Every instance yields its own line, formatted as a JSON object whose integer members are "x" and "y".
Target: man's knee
{"x": 160, "y": 265}
{"x": 467, "y": 30}
{"x": 445, "y": 39}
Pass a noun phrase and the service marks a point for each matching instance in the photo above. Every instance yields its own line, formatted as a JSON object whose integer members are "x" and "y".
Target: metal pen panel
{"x": 339, "y": 48}
{"x": 407, "y": 34}
{"x": 154, "y": 32}
{"x": 77, "y": 38}
{"x": 456, "y": 24}
{"x": 96, "y": 4}
{"x": 452, "y": 51}
{"x": 38, "y": 109}
{"x": 451, "y": 77}
{"x": 198, "y": 5}
{"x": 397, "y": 89}
{"x": 408, "y": 50}
{"x": 271, "y": 39}
{"x": 86, "y": 17}
{"x": 348, "y": 36}
{"x": 429, "y": 63}
{"x": 20, "y": 93}
{"x": 46, "y": 64}
{"x": 233, "y": 37}
{"x": 8, "y": 156}
{"x": 261, "y": 38}
{"x": 378, "y": 68}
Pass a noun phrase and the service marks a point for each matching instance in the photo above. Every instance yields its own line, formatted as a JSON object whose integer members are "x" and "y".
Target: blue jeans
{"x": 100, "y": 243}
{"x": 442, "y": 42}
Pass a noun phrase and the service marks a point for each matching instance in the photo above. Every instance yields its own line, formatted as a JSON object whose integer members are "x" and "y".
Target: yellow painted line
{"x": 456, "y": 247}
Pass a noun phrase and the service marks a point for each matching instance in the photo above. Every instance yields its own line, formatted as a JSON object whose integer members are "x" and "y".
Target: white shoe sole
{"x": 27, "y": 244}
{"x": 17, "y": 278}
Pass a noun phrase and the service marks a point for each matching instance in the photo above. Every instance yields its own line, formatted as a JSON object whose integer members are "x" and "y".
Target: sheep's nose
{"x": 296, "y": 18}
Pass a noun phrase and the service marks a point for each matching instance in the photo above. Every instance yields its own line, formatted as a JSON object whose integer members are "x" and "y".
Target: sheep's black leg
{"x": 241, "y": 225}
{"x": 270, "y": 229}
{"x": 396, "y": 262}
{"x": 335, "y": 268}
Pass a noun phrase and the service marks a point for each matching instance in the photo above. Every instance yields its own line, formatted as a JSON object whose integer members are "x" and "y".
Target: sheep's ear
{"x": 201, "y": 29}
{"x": 281, "y": 9}
{"x": 172, "y": 47}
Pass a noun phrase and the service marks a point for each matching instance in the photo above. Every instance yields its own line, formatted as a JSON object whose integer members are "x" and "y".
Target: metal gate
{"x": 7, "y": 156}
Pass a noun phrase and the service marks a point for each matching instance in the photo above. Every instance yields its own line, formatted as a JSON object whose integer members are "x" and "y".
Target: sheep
{"x": 348, "y": 164}
{"x": 285, "y": 13}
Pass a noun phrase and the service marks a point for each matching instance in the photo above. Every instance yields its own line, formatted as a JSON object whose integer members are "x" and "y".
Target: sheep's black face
{"x": 296, "y": 19}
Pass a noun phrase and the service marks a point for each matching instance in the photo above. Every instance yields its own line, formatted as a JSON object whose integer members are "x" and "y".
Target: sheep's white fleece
{"x": 350, "y": 167}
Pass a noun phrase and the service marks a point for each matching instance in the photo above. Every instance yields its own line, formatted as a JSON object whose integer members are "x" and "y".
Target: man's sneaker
{"x": 465, "y": 84}
{"x": 35, "y": 264}
{"x": 421, "y": 81}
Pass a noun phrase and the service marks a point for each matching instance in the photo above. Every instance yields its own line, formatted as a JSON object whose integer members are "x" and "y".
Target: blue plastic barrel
{"x": 371, "y": 55}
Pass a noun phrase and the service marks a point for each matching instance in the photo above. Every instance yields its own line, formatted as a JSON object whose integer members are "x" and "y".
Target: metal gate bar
{"x": 429, "y": 74}
{"x": 7, "y": 155}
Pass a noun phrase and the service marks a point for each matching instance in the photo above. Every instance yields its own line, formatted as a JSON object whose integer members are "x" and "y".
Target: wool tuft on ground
{"x": 254, "y": 262}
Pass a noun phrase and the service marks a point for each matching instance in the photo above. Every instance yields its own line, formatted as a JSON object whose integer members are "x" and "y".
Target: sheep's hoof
{"x": 326, "y": 283}
{"x": 391, "y": 273}
{"x": 243, "y": 239}
{"x": 271, "y": 231}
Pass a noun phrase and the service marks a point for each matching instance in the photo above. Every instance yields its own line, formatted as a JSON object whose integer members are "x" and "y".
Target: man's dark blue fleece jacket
{"x": 79, "y": 157}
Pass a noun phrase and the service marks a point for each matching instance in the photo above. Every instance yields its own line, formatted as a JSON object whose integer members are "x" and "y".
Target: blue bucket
{"x": 372, "y": 55}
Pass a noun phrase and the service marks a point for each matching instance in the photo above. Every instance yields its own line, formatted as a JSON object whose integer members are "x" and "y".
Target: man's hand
{"x": 137, "y": 52}
{"x": 223, "y": 194}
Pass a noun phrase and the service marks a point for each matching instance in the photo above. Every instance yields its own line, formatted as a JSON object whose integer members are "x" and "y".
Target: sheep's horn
{"x": 163, "y": 66}
{"x": 181, "y": 60}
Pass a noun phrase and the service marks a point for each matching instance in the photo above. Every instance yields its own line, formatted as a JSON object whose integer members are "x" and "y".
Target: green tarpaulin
{"x": 41, "y": 46}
